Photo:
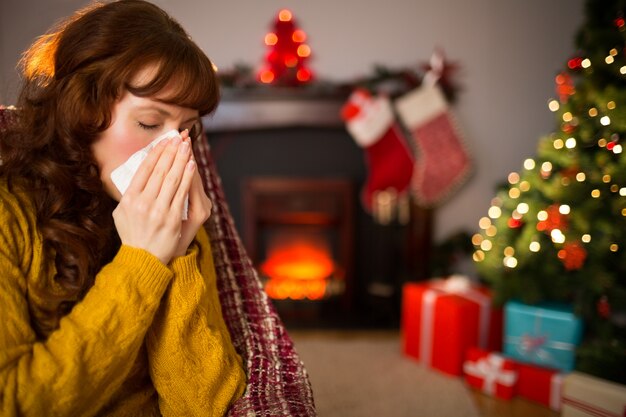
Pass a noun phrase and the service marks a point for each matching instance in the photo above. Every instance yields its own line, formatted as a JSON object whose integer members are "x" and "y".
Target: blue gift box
{"x": 543, "y": 334}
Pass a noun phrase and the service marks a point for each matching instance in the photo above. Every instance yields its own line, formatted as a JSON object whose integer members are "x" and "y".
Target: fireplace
{"x": 299, "y": 232}
{"x": 292, "y": 176}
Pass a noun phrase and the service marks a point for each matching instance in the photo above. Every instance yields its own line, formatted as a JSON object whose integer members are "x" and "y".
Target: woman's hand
{"x": 149, "y": 215}
{"x": 199, "y": 211}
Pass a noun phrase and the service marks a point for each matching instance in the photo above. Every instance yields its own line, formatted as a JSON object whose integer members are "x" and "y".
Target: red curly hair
{"x": 72, "y": 77}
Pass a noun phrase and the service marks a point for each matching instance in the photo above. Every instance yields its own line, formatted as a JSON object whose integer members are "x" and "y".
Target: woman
{"x": 109, "y": 301}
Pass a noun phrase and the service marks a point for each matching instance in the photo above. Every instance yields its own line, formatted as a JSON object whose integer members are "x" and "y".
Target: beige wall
{"x": 510, "y": 51}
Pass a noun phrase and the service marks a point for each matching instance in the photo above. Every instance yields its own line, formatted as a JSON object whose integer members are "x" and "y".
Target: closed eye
{"x": 146, "y": 126}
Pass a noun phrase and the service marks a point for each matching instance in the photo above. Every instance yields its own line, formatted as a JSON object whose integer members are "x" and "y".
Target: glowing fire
{"x": 298, "y": 268}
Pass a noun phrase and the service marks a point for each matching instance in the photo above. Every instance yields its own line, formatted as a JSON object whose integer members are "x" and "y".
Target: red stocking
{"x": 371, "y": 122}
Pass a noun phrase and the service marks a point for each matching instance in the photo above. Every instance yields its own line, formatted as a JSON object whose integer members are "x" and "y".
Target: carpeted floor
{"x": 365, "y": 374}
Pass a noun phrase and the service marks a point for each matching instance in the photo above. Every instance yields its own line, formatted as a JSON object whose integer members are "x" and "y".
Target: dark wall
{"x": 287, "y": 152}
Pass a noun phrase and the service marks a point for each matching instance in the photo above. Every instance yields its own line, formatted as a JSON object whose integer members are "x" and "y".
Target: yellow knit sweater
{"x": 146, "y": 340}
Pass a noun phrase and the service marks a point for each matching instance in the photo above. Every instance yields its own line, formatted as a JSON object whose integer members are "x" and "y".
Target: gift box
{"x": 442, "y": 318}
{"x": 540, "y": 384}
{"x": 545, "y": 334}
{"x": 491, "y": 372}
{"x": 586, "y": 395}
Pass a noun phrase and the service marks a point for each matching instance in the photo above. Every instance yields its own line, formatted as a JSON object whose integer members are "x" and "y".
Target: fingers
{"x": 145, "y": 169}
{"x": 168, "y": 166}
{"x": 182, "y": 193}
{"x": 200, "y": 204}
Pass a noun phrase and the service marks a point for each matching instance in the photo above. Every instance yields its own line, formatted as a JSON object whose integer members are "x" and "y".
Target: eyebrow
{"x": 163, "y": 112}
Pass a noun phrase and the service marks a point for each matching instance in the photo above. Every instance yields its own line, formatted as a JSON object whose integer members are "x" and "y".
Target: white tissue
{"x": 122, "y": 175}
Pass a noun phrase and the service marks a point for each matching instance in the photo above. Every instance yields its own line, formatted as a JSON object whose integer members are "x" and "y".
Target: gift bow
{"x": 537, "y": 346}
{"x": 491, "y": 369}
{"x": 531, "y": 345}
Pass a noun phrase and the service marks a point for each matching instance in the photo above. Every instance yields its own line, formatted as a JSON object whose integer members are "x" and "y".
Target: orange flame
{"x": 298, "y": 268}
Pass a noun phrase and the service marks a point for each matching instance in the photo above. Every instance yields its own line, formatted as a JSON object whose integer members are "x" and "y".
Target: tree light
{"x": 479, "y": 256}
{"x": 524, "y": 186}
{"x": 266, "y": 76}
{"x": 557, "y": 236}
{"x": 304, "y": 50}
{"x": 529, "y": 164}
{"x": 494, "y": 212}
{"x": 510, "y": 262}
{"x": 514, "y": 192}
{"x": 298, "y": 36}
{"x": 284, "y": 15}
{"x": 477, "y": 239}
{"x": 303, "y": 75}
{"x": 553, "y": 105}
{"x": 522, "y": 208}
{"x": 484, "y": 223}
{"x": 271, "y": 39}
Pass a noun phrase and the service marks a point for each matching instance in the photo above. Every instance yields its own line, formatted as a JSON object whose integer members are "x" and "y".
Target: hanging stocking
{"x": 442, "y": 163}
{"x": 371, "y": 122}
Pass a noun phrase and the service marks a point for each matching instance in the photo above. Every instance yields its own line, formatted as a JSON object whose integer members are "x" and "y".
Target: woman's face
{"x": 135, "y": 122}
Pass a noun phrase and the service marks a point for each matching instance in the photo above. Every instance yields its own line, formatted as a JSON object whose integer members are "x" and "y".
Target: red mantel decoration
{"x": 285, "y": 63}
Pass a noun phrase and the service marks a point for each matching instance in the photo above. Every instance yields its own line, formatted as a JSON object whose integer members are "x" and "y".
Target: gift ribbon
{"x": 528, "y": 346}
{"x": 555, "y": 391}
{"x": 590, "y": 409}
{"x": 458, "y": 285}
{"x": 490, "y": 368}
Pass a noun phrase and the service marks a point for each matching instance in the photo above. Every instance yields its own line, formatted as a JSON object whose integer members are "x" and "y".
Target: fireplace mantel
{"x": 269, "y": 109}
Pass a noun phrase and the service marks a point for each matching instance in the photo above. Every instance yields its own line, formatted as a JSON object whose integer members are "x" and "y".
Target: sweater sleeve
{"x": 193, "y": 364}
{"x": 76, "y": 370}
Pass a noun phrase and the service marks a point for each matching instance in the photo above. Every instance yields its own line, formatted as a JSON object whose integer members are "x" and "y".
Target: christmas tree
{"x": 556, "y": 231}
{"x": 285, "y": 63}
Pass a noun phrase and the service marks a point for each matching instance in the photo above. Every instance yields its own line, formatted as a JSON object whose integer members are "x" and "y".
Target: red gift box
{"x": 542, "y": 385}
{"x": 491, "y": 372}
{"x": 441, "y": 319}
